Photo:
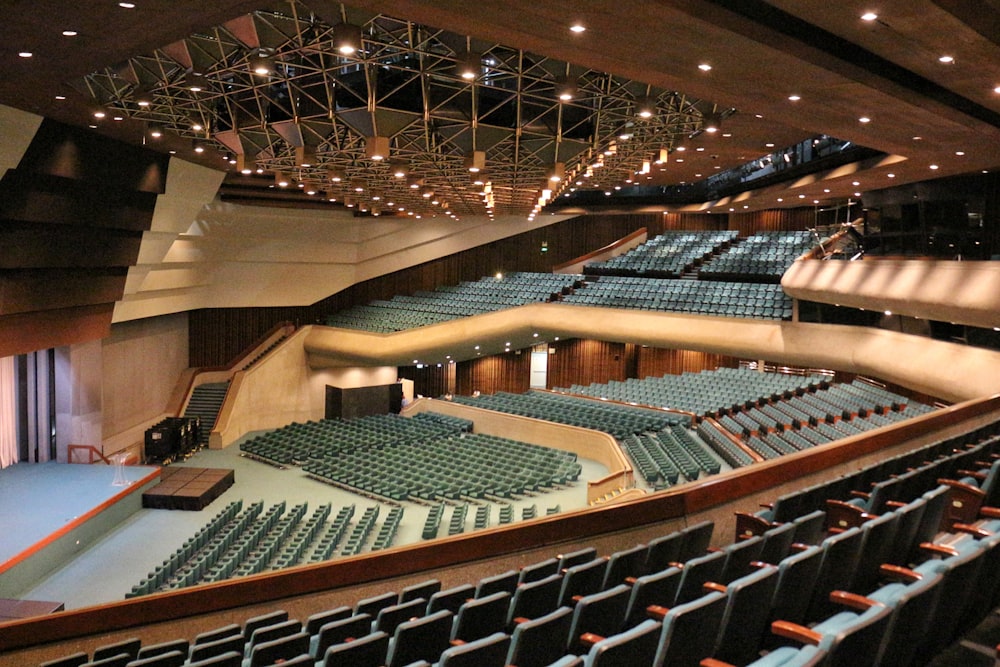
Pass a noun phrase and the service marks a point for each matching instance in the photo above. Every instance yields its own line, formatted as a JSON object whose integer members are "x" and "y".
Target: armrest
{"x": 710, "y": 586}
{"x": 798, "y": 546}
{"x": 799, "y": 633}
{"x": 962, "y": 486}
{"x": 841, "y": 515}
{"x": 860, "y": 494}
{"x": 894, "y": 504}
{"x": 748, "y": 525}
{"x": 588, "y": 639}
{"x": 852, "y": 600}
{"x": 456, "y": 642}
{"x": 938, "y": 549}
{"x": 969, "y": 529}
{"x": 988, "y": 512}
{"x": 897, "y": 573}
{"x": 712, "y": 662}
{"x": 656, "y": 612}
{"x": 630, "y": 581}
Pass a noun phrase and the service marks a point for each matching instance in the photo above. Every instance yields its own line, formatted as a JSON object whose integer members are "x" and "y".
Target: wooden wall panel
{"x": 431, "y": 381}
{"x": 774, "y": 220}
{"x": 654, "y": 362}
{"x": 217, "y": 334}
{"x": 695, "y": 222}
{"x": 585, "y": 361}
{"x": 500, "y": 372}
{"x": 72, "y": 215}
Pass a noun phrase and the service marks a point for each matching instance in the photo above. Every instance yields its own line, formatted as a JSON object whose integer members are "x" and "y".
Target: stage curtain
{"x": 8, "y": 413}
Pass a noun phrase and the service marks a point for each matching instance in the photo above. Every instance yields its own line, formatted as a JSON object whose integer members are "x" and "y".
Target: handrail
{"x": 178, "y": 406}
{"x": 614, "y": 245}
{"x": 90, "y": 449}
{"x": 587, "y": 523}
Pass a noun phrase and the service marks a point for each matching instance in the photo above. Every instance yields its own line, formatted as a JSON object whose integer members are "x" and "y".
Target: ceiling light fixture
{"x": 377, "y": 148}
{"x": 347, "y": 38}
{"x": 262, "y": 62}
{"x": 869, "y": 16}
{"x": 645, "y": 107}
{"x": 566, "y": 88}
{"x": 469, "y": 65}
{"x": 475, "y": 161}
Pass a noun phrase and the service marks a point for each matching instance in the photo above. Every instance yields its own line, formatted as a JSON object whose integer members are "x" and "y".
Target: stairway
{"x": 206, "y": 400}
{"x": 263, "y": 353}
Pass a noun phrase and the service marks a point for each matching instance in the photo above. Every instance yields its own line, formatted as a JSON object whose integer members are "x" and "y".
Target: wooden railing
{"x": 618, "y": 247}
{"x": 720, "y": 492}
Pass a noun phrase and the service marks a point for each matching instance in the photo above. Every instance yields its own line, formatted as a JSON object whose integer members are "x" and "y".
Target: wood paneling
{"x": 655, "y": 361}
{"x": 71, "y": 219}
{"x": 500, "y": 372}
{"x": 585, "y": 361}
{"x": 431, "y": 380}
{"x": 774, "y": 220}
{"x": 218, "y": 336}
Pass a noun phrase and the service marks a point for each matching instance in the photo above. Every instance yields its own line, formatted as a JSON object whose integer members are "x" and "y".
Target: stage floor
{"x": 39, "y": 499}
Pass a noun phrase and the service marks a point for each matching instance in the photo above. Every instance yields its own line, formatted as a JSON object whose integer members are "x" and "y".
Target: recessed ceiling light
{"x": 934, "y": 166}
{"x": 60, "y": 97}
{"x": 996, "y": 89}
{"x": 946, "y": 59}
{"x": 69, "y": 33}
{"x": 960, "y": 153}
{"x": 705, "y": 67}
{"x": 794, "y": 98}
{"x": 869, "y": 16}
{"x": 577, "y": 27}
{"x": 891, "y": 175}
{"x": 127, "y": 5}
{"x": 769, "y": 144}
{"x": 25, "y": 54}
{"x": 864, "y": 119}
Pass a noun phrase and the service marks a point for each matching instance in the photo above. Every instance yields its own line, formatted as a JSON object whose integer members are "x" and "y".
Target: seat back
{"x": 269, "y": 633}
{"x": 858, "y": 642}
{"x": 739, "y": 555}
{"x": 658, "y": 588}
{"x": 582, "y": 579}
{"x": 796, "y": 581}
{"x": 129, "y": 647}
{"x": 913, "y": 606}
{"x": 697, "y": 537}
{"x": 337, "y": 632}
{"x": 283, "y": 648}
{"x": 489, "y": 651}
{"x": 218, "y": 647}
{"x": 777, "y": 543}
{"x": 690, "y": 631}
{"x": 635, "y": 646}
{"x": 628, "y": 563}
{"x": 505, "y": 581}
{"x": 227, "y": 659}
{"x": 373, "y": 605}
{"x": 390, "y": 617}
{"x": 423, "y": 638}
{"x": 480, "y": 617}
{"x": 601, "y": 614}
{"x": 747, "y": 617}
{"x": 173, "y": 658}
{"x": 910, "y": 517}
{"x": 577, "y": 557}
{"x": 540, "y": 641}
{"x": 809, "y": 527}
{"x": 451, "y": 598}
{"x": 367, "y": 651}
{"x": 535, "y": 599}
{"x": 424, "y": 589}
{"x": 251, "y": 624}
{"x": 538, "y": 571}
{"x": 696, "y": 572}
{"x": 878, "y": 535}
{"x": 836, "y": 570}
{"x": 164, "y": 647}
{"x": 663, "y": 551}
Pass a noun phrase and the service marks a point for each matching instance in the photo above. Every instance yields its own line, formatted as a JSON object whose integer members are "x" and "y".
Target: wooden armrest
{"x": 799, "y": 633}
{"x": 588, "y": 639}
{"x": 760, "y": 565}
{"x": 673, "y": 563}
{"x": 938, "y": 549}
{"x": 852, "y": 600}
{"x": 860, "y": 494}
{"x": 713, "y": 550}
{"x": 630, "y": 581}
{"x": 656, "y": 612}
{"x": 894, "y": 504}
{"x": 576, "y": 598}
{"x": 520, "y": 619}
{"x": 713, "y": 662}
{"x": 988, "y": 512}
{"x": 898, "y": 573}
{"x": 710, "y": 586}
{"x": 962, "y": 486}
{"x": 798, "y": 546}
{"x": 969, "y": 529}
{"x": 748, "y": 525}
{"x": 767, "y": 506}
{"x": 456, "y": 642}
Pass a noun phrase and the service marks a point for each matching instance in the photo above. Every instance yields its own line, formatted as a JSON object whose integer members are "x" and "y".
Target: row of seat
{"x": 238, "y": 542}
{"x": 909, "y": 589}
{"x": 708, "y": 392}
{"x": 454, "y": 467}
{"x": 666, "y": 255}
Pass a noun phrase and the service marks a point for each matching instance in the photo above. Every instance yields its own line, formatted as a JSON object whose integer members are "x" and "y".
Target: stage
{"x": 51, "y": 511}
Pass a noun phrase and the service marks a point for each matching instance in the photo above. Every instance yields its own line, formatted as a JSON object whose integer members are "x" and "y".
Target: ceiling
{"x": 777, "y": 73}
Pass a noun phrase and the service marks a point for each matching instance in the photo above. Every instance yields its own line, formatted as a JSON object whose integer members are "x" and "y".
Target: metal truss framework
{"x": 311, "y": 119}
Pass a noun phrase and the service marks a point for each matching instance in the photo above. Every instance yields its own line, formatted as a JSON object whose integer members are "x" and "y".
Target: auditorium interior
{"x": 526, "y": 333}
